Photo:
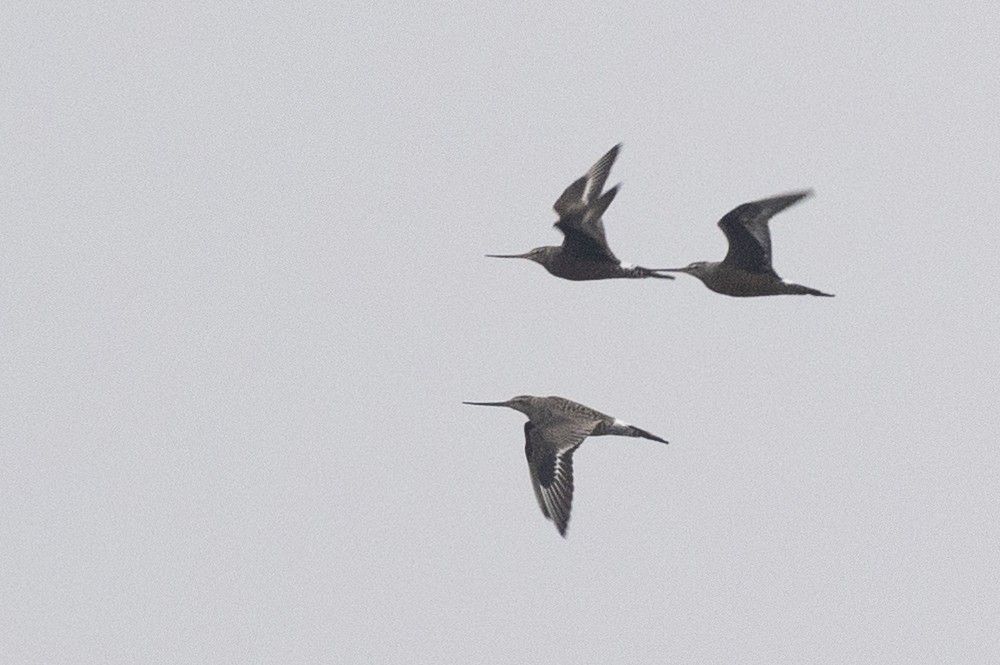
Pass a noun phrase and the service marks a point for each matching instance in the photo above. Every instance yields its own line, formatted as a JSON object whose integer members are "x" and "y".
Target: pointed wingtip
{"x": 791, "y": 198}
{"x": 794, "y": 195}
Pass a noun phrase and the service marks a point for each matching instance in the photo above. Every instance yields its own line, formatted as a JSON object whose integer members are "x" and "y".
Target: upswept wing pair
{"x": 585, "y": 255}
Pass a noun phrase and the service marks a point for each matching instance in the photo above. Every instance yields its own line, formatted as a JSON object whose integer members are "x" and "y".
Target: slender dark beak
{"x": 507, "y": 256}
{"x": 486, "y": 403}
{"x": 671, "y": 270}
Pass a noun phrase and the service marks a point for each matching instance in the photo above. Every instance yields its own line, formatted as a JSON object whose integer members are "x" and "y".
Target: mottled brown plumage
{"x": 556, "y": 427}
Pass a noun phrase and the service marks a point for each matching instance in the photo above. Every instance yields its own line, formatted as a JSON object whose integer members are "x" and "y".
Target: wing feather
{"x": 746, "y": 230}
{"x": 584, "y": 231}
{"x": 549, "y": 449}
{"x": 581, "y": 207}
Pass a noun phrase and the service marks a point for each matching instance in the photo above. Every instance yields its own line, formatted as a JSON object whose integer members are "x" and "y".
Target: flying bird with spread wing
{"x": 584, "y": 253}
{"x": 746, "y": 270}
{"x": 556, "y": 427}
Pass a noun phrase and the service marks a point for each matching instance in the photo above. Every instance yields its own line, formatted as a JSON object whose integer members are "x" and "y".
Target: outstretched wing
{"x": 584, "y": 230}
{"x": 587, "y": 188}
{"x": 746, "y": 230}
{"x": 580, "y": 209}
{"x": 549, "y": 449}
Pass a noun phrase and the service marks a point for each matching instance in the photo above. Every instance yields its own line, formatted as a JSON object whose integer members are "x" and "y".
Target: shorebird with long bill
{"x": 584, "y": 253}
{"x": 555, "y": 429}
{"x": 746, "y": 270}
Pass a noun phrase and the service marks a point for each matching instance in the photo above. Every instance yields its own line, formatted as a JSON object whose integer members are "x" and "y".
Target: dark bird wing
{"x": 584, "y": 230}
{"x": 587, "y": 188}
{"x": 749, "y": 238}
{"x": 580, "y": 209}
{"x": 549, "y": 449}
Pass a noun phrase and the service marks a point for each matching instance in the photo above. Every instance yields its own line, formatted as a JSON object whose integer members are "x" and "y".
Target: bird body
{"x": 579, "y": 269}
{"x": 556, "y": 427}
{"x": 746, "y": 270}
{"x": 585, "y": 253}
{"x": 730, "y": 280}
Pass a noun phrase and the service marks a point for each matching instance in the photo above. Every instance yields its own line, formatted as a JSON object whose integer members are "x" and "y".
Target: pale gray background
{"x": 243, "y": 295}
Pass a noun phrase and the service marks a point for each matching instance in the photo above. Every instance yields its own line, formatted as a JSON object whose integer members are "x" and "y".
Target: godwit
{"x": 746, "y": 270}
{"x": 584, "y": 253}
{"x": 556, "y": 427}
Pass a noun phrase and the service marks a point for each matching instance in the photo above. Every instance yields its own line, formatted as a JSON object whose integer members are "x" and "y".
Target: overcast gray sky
{"x": 244, "y": 293}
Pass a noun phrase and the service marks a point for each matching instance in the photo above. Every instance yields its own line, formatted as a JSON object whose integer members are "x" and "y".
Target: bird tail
{"x": 799, "y": 290}
{"x": 641, "y": 433}
{"x": 624, "y": 429}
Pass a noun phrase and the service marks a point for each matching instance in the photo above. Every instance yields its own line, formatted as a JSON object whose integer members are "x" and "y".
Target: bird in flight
{"x": 584, "y": 253}
{"x": 746, "y": 270}
{"x": 555, "y": 429}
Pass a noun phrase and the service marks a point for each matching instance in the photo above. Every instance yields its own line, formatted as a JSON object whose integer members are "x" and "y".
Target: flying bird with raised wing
{"x": 746, "y": 270}
{"x": 584, "y": 253}
{"x": 555, "y": 429}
